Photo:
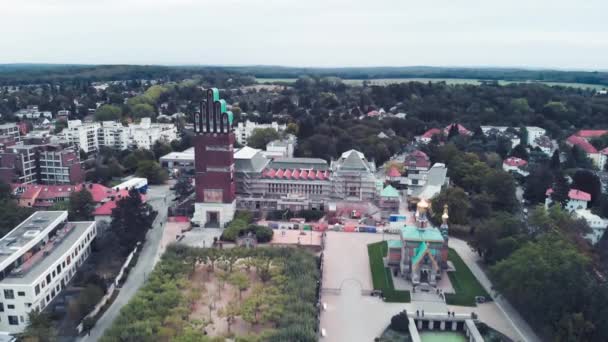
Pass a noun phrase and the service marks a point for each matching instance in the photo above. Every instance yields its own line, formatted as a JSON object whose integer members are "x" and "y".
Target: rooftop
{"x": 591, "y": 133}
{"x": 27, "y": 234}
{"x": 245, "y": 153}
{"x": 582, "y": 143}
{"x": 514, "y": 161}
{"x": 389, "y": 191}
{"x": 412, "y": 233}
{"x": 299, "y": 163}
{"x": 36, "y": 266}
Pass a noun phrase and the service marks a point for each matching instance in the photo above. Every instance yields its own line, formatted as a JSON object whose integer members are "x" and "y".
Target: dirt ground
{"x": 214, "y": 299}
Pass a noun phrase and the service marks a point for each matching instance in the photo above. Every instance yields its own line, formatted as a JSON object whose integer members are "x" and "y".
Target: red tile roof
{"x": 514, "y": 161}
{"x": 591, "y": 133}
{"x": 579, "y": 195}
{"x": 574, "y": 194}
{"x": 461, "y": 129}
{"x": 433, "y": 131}
{"x": 582, "y": 143}
{"x": 394, "y": 172}
{"x": 295, "y": 174}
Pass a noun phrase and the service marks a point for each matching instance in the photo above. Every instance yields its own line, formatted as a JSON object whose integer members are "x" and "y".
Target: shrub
{"x": 311, "y": 215}
{"x": 263, "y": 234}
{"x": 400, "y": 322}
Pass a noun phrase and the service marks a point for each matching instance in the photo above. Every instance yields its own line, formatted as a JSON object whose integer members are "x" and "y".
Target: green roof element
{"x": 230, "y": 117}
{"x": 389, "y": 191}
{"x": 429, "y": 234}
{"x": 420, "y": 251}
{"x": 216, "y": 94}
{"x": 394, "y": 244}
{"x": 222, "y": 106}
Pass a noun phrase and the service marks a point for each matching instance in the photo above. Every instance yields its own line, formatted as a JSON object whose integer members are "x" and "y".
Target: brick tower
{"x": 214, "y": 163}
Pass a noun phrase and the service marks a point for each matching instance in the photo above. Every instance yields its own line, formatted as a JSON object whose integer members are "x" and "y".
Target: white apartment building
{"x": 11, "y": 130}
{"x": 83, "y": 135}
{"x": 37, "y": 260}
{"x": 90, "y": 136}
{"x": 244, "y": 130}
{"x": 113, "y": 134}
{"x": 146, "y": 133}
{"x": 597, "y": 224}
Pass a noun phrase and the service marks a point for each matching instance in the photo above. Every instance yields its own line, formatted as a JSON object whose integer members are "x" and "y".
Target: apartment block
{"x": 38, "y": 258}
{"x": 243, "y": 130}
{"x": 49, "y": 164}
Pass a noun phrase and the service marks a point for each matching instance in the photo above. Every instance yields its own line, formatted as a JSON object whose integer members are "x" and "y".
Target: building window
{"x": 13, "y": 320}
{"x": 48, "y": 278}
{"x": 9, "y": 294}
{"x": 1, "y": 307}
{"x": 21, "y": 294}
{"x": 10, "y": 306}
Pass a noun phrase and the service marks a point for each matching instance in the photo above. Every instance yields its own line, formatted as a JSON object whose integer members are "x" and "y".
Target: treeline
{"x": 18, "y": 74}
{"x": 33, "y": 73}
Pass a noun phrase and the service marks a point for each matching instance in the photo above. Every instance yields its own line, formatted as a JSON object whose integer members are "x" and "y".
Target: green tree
{"x": 81, "y": 205}
{"x": 458, "y": 202}
{"x": 39, "y": 328}
{"x": 152, "y": 171}
{"x": 160, "y": 149}
{"x": 588, "y": 182}
{"x": 240, "y": 281}
{"x": 143, "y": 110}
{"x": 262, "y": 136}
{"x": 131, "y": 219}
{"x": 230, "y": 312}
{"x": 560, "y": 190}
{"x": 557, "y": 268}
{"x": 501, "y": 186}
{"x": 108, "y": 113}
{"x": 184, "y": 187}
{"x": 520, "y": 151}
{"x": 556, "y": 163}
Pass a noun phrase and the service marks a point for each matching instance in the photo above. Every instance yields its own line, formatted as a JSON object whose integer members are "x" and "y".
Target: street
{"x": 159, "y": 197}
{"x": 470, "y": 259}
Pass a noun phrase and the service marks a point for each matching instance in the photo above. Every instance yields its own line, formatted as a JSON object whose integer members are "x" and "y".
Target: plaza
{"x": 350, "y": 313}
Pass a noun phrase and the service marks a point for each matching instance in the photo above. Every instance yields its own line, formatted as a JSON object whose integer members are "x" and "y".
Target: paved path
{"x": 158, "y": 197}
{"x": 470, "y": 258}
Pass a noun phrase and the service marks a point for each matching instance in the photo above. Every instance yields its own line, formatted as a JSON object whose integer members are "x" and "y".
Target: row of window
{"x": 295, "y": 188}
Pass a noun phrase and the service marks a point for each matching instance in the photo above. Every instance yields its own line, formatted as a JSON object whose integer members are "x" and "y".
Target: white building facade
{"x": 244, "y": 130}
{"x": 37, "y": 260}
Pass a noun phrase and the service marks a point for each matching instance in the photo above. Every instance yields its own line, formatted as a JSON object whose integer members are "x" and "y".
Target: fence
{"x": 104, "y": 300}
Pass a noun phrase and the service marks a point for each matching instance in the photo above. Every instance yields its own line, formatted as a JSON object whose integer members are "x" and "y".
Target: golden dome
{"x": 423, "y": 205}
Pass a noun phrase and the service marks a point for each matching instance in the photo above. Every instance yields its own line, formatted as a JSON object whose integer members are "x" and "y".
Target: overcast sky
{"x": 524, "y": 33}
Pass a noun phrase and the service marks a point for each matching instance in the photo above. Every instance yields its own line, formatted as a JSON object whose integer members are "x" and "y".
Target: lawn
{"x": 381, "y": 276}
{"x": 464, "y": 282}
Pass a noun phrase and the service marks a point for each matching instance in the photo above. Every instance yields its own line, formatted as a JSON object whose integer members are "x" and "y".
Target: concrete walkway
{"x": 470, "y": 258}
{"x": 158, "y": 197}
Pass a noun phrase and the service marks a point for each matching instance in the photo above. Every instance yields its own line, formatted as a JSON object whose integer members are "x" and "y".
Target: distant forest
{"x": 14, "y": 74}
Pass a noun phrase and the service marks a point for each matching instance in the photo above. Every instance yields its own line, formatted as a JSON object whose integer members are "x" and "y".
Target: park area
{"x": 466, "y": 286}
{"x": 196, "y": 294}
{"x": 381, "y": 275}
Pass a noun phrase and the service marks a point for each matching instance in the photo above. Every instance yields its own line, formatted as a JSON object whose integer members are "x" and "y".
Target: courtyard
{"x": 349, "y": 313}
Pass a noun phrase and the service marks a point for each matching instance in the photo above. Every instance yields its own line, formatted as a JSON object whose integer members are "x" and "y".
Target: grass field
{"x": 464, "y": 282}
{"x": 385, "y": 81}
{"x": 381, "y": 276}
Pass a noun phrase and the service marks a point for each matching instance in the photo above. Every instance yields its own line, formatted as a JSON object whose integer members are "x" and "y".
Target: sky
{"x": 315, "y": 33}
